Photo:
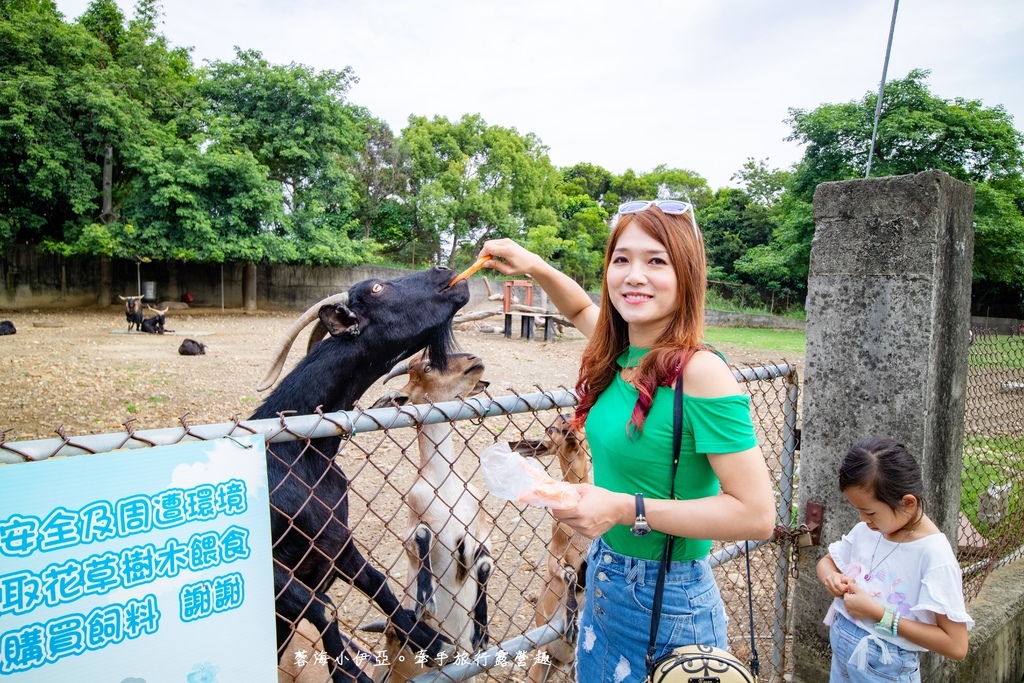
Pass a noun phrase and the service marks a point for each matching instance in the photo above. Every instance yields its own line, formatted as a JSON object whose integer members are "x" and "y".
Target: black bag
{"x": 693, "y": 663}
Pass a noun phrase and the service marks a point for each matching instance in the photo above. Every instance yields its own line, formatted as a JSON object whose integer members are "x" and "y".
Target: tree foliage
{"x": 246, "y": 160}
{"x": 917, "y": 131}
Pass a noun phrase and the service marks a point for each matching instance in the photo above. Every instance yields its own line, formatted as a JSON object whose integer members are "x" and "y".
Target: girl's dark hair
{"x": 885, "y": 468}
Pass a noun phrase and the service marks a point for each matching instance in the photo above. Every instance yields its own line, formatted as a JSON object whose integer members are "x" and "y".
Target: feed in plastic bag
{"x": 510, "y": 476}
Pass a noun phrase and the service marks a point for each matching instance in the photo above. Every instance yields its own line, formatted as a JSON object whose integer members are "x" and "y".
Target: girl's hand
{"x": 509, "y": 258}
{"x": 837, "y": 584}
{"x": 597, "y": 512}
{"x": 860, "y": 604}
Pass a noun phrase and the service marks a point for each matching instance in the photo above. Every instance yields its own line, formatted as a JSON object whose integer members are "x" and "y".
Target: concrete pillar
{"x": 249, "y": 287}
{"x": 106, "y": 282}
{"x": 887, "y": 331}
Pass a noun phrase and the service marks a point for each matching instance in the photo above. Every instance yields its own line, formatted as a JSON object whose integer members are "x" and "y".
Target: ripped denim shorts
{"x": 615, "y": 624}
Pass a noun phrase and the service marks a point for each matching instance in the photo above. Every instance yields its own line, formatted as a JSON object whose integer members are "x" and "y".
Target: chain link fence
{"x": 992, "y": 481}
{"x": 380, "y": 456}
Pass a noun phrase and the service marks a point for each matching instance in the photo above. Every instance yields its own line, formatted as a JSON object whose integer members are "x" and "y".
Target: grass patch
{"x": 714, "y": 300}
{"x": 780, "y": 341}
{"x": 997, "y": 351}
{"x": 991, "y": 462}
{"x": 157, "y": 399}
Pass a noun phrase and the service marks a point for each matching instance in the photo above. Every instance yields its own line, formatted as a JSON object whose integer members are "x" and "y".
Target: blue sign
{"x": 143, "y": 566}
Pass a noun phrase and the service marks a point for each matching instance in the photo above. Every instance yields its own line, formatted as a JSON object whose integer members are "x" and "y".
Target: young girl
{"x": 647, "y": 330}
{"x": 897, "y": 584}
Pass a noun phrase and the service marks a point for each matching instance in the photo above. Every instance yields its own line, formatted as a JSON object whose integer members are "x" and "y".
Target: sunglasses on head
{"x": 672, "y": 207}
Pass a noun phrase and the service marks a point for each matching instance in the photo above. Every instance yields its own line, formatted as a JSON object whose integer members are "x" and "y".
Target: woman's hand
{"x": 860, "y": 604}
{"x": 597, "y": 512}
{"x": 510, "y": 258}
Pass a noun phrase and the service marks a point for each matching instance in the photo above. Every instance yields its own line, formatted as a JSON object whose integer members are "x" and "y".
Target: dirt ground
{"x": 82, "y": 370}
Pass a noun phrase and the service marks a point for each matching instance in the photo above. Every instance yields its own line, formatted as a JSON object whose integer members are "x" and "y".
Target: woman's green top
{"x": 629, "y": 462}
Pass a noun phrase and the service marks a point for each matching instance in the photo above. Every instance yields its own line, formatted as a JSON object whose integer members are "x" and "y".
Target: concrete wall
{"x": 39, "y": 281}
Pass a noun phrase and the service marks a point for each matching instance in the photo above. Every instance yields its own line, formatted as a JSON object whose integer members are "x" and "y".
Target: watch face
{"x": 641, "y": 528}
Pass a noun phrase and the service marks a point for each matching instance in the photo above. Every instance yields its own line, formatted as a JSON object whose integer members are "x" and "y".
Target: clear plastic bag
{"x": 512, "y": 477}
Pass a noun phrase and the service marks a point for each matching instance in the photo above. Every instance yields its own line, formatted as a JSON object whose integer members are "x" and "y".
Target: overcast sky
{"x": 701, "y": 85}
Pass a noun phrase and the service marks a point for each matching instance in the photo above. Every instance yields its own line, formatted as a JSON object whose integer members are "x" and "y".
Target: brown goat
{"x": 447, "y": 539}
{"x": 564, "y": 570}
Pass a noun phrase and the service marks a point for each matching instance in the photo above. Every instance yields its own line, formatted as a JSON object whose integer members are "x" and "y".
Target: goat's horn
{"x": 400, "y": 369}
{"x": 375, "y": 627}
{"x": 281, "y": 354}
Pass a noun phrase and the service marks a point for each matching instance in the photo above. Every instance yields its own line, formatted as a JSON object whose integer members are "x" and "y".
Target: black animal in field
{"x": 190, "y": 347}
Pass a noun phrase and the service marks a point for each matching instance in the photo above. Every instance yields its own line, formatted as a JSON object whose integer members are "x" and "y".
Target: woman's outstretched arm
{"x": 510, "y": 258}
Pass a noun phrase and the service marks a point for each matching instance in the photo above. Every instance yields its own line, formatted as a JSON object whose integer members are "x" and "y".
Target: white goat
{"x": 447, "y": 540}
{"x": 564, "y": 570}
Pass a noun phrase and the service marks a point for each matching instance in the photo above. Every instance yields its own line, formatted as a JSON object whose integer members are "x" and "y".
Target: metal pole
{"x": 782, "y": 556}
{"x": 881, "y": 87}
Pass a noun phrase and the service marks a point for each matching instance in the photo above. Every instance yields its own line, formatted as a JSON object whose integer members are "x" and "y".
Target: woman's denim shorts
{"x": 615, "y": 624}
{"x": 904, "y": 665}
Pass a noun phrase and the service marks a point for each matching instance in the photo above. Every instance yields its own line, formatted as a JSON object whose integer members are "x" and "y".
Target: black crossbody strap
{"x": 659, "y": 588}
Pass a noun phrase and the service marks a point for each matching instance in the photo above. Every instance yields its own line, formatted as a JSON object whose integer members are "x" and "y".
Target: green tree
{"x": 917, "y": 131}
{"x": 732, "y": 223}
{"x": 471, "y": 182}
{"x": 295, "y": 122}
{"x": 763, "y": 184}
{"x": 588, "y": 179}
{"x": 51, "y": 101}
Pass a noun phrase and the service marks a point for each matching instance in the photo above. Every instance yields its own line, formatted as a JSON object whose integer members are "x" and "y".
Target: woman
{"x": 648, "y": 328}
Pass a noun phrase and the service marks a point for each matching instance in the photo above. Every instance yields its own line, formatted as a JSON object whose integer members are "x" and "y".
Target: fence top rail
{"x": 288, "y": 427}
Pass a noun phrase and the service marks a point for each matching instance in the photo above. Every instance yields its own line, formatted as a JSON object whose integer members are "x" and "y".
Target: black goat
{"x": 132, "y": 311}
{"x": 190, "y": 347}
{"x": 372, "y": 327}
{"x": 155, "y": 325}
{"x": 7, "y": 327}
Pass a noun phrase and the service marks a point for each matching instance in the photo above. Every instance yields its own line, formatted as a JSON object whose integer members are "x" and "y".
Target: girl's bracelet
{"x": 887, "y": 624}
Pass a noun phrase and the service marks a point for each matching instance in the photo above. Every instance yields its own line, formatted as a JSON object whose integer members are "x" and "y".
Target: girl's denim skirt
{"x": 882, "y": 661}
{"x": 615, "y": 624}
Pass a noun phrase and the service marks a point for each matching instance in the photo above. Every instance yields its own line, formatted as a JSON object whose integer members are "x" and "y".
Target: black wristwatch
{"x": 640, "y": 525}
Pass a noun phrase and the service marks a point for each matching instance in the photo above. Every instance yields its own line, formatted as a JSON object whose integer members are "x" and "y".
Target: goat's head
{"x": 131, "y": 303}
{"x": 560, "y": 439}
{"x": 426, "y": 382}
{"x": 389, "y": 320}
{"x": 560, "y": 436}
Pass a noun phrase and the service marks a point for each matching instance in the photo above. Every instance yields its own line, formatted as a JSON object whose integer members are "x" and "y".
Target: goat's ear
{"x": 339, "y": 320}
{"x": 392, "y": 399}
{"x": 530, "y": 448}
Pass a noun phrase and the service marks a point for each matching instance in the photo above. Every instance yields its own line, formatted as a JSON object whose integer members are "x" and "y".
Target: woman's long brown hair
{"x": 682, "y": 336}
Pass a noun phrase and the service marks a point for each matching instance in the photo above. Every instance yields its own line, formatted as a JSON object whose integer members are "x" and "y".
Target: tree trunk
{"x": 106, "y": 282}
{"x": 107, "y": 213}
{"x": 106, "y": 216}
{"x": 249, "y": 287}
